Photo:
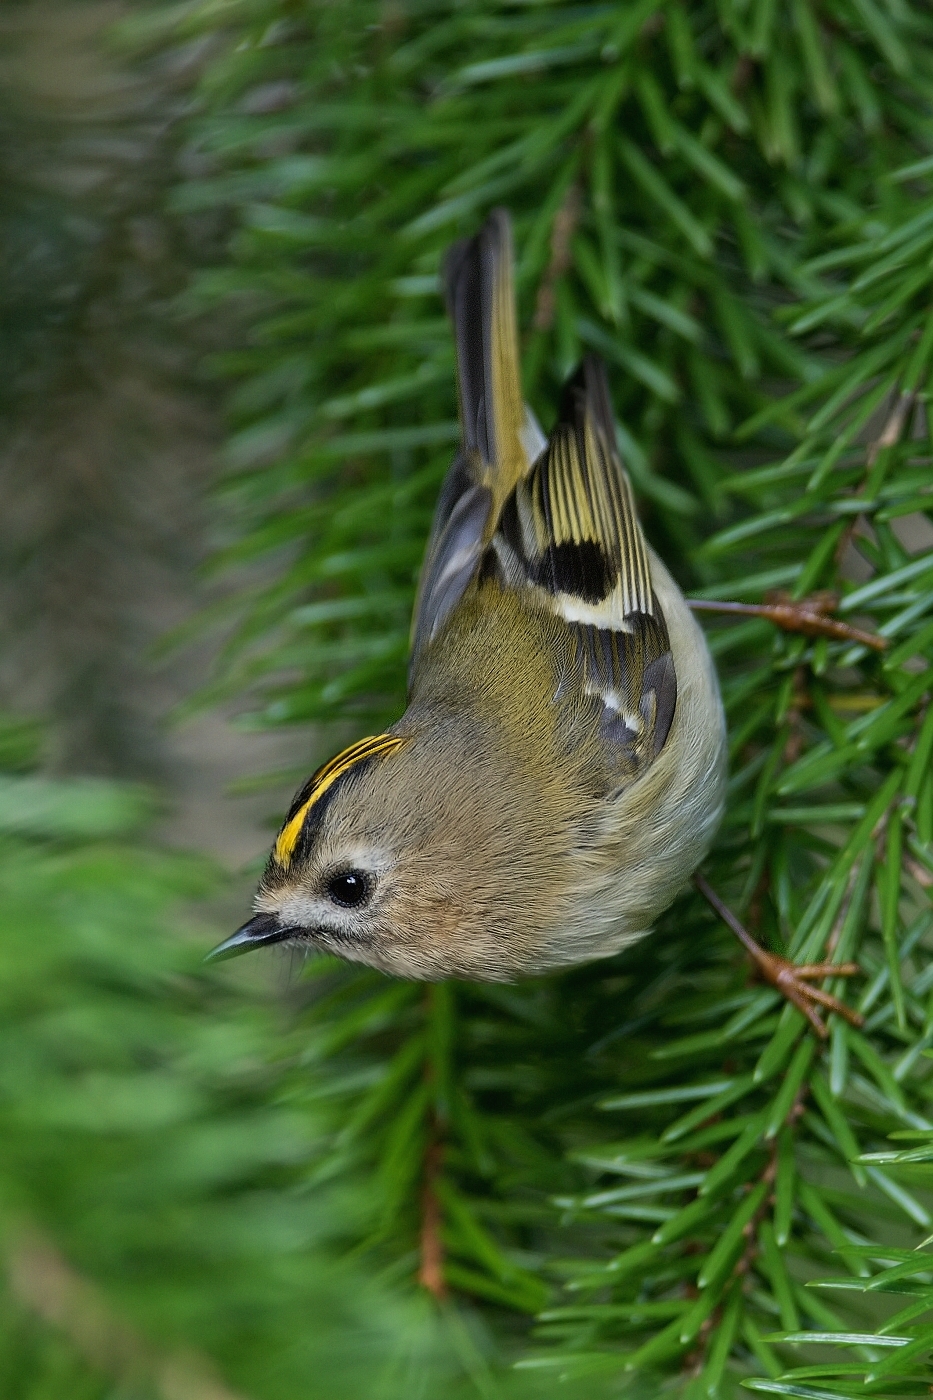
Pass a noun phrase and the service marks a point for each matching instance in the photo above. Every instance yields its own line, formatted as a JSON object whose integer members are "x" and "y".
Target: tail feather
{"x": 587, "y": 393}
{"x": 481, "y": 302}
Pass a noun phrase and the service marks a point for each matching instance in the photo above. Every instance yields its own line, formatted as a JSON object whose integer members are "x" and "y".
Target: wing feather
{"x": 559, "y": 524}
{"x": 481, "y": 301}
{"x": 570, "y": 533}
{"x": 500, "y": 436}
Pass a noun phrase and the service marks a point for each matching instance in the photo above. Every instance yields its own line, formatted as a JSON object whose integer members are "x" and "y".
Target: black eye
{"x": 351, "y": 888}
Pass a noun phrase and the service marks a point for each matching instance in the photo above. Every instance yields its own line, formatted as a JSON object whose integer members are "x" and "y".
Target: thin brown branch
{"x": 431, "y": 1272}
{"x": 808, "y": 616}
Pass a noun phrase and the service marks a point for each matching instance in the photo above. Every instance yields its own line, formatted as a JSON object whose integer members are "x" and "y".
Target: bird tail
{"x": 481, "y": 303}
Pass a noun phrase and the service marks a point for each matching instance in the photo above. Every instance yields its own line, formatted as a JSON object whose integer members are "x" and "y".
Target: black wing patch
{"x": 559, "y": 523}
{"x": 570, "y": 532}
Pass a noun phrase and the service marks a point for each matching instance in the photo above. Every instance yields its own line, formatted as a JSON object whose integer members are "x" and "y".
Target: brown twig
{"x": 431, "y": 1272}
{"x": 807, "y": 616}
{"x": 693, "y": 1361}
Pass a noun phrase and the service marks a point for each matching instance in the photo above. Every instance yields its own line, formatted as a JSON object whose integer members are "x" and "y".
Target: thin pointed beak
{"x": 262, "y": 930}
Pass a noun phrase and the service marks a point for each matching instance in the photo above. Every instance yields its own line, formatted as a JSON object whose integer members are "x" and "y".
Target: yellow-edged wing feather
{"x": 569, "y": 536}
{"x": 499, "y": 435}
{"x": 481, "y": 300}
{"x": 581, "y": 497}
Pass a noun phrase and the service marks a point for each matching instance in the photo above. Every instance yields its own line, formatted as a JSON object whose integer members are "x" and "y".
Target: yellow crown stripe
{"x": 325, "y": 778}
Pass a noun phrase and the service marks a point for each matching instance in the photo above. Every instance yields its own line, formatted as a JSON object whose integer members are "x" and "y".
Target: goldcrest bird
{"x": 559, "y": 771}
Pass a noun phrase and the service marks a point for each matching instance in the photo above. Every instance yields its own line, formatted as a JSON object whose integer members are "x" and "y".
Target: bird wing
{"x": 554, "y": 518}
{"x": 499, "y": 436}
{"x": 569, "y": 534}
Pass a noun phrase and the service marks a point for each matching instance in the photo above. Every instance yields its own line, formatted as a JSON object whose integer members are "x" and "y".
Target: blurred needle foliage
{"x": 652, "y": 1158}
{"x": 160, "y": 1225}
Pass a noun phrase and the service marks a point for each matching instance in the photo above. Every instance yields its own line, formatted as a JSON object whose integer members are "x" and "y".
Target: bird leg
{"x": 792, "y": 980}
{"x": 806, "y": 615}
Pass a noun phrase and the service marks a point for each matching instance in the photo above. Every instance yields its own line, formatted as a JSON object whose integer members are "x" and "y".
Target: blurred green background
{"x": 227, "y": 402}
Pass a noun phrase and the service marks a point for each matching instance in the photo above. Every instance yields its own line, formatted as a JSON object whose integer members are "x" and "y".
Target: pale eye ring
{"x": 349, "y": 888}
